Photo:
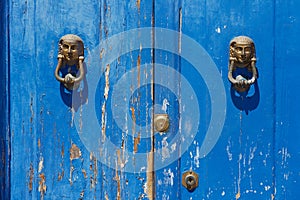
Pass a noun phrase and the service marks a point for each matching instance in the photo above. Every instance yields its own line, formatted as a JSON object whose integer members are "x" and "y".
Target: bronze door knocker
{"x": 242, "y": 62}
{"x": 70, "y": 61}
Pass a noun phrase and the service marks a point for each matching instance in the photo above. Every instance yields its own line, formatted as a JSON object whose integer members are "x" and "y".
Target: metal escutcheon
{"x": 70, "y": 60}
{"x": 190, "y": 180}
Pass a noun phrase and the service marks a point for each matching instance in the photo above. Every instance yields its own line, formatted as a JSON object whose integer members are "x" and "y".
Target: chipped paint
{"x": 165, "y": 152}
{"x": 106, "y": 89}
{"x": 42, "y": 185}
{"x": 136, "y": 142}
{"x": 102, "y": 52}
{"x": 197, "y": 157}
{"x": 228, "y": 150}
{"x": 139, "y": 70}
{"x": 223, "y": 193}
{"x": 165, "y": 105}
{"x": 31, "y": 176}
{"x": 31, "y": 109}
{"x": 138, "y": 4}
{"x": 75, "y": 152}
{"x": 71, "y": 173}
{"x": 94, "y": 169}
{"x": 238, "y": 195}
{"x": 41, "y": 164}
{"x": 168, "y": 177}
{"x": 149, "y": 188}
{"x": 117, "y": 179}
{"x": 103, "y": 121}
{"x": 180, "y": 31}
{"x": 62, "y": 173}
{"x": 84, "y": 173}
{"x": 39, "y": 143}
{"x": 133, "y": 119}
{"x": 103, "y": 109}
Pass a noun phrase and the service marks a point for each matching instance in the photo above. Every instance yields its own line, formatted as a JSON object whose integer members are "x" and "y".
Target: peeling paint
{"x": 139, "y": 70}
{"x": 103, "y": 109}
{"x": 180, "y": 31}
{"x": 103, "y": 121}
{"x": 197, "y": 157}
{"x": 223, "y": 193}
{"x": 117, "y": 178}
{"x": 133, "y": 119}
{"x": 238, "y": 195}
{"x": 42, "y": 185}
{"x": 106, "y": 89}
{"x": 31, "y": 176}
{"x": 31, "y": 109}
{"x": 165, "y": 105}
{"x": 228, "y": 150}
{"x": 71, "y": 174}
{"x": 168, "y": 177}
{"x": 149, "y": 188}
{"x": 62, "y": 152}
{"x": 41, "y": 164}
{"x": 165, "y": 152}
{"x": 138, "y": 4}
{"x": 84, "y": 173}
{"x": 272, "y": 196}
{"x": 102, "y": 52}
{"x": 39, "y": 143}
{"x": 136, "y": 142}
{"x": 62, "y": 173}
{"x": 94, "y": 169}
{"x": 75, "y": 152}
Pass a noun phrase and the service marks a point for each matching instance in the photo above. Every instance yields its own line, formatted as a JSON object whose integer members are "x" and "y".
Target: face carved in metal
{"x": 243, "y": 53}
{"x": 242, "y": 50}
{"x": 71, "y": 47}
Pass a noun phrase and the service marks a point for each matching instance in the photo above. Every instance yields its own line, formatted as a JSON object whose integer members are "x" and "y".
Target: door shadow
{"x": 245, "y": 101}
{"x": 75, "y": 98}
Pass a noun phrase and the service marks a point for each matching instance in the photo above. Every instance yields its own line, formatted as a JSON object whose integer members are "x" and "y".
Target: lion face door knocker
{"x": 242, "y": 63}
{"x": 70, "y": 61}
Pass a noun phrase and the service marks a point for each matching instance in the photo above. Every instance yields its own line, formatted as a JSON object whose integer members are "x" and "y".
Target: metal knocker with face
{"x": 242, "y": 56}
{"x": 70, "y": 59}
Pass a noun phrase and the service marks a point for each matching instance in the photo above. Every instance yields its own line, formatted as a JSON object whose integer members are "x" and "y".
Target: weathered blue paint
{"x": 4, "y": 103}
{"x": 246, "y": 144}
{"x": 49, "y": 161}
{"x": 42, "y": 155}
{"x": 167, "y": 179}
{"x": 286, "y": 55}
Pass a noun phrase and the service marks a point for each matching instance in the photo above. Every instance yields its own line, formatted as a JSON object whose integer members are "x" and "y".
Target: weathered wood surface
{"x": 43, "y": 155}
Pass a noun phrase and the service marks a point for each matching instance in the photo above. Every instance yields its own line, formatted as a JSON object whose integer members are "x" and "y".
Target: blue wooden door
{"x": 145, "y": 59}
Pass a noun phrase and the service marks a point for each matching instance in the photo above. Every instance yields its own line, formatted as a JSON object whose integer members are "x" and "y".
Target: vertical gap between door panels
{"x": 179, "y": 84}
{"x": 6, "y": 87}
{"x": 274, "y": 101}
{"x": 151, "y": 172}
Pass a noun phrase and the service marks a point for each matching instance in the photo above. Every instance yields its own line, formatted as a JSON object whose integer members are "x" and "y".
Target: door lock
{"x": 190, "y": 180}
{"x": 242, "y": 70}
{"x": 70, "y": 61}
{"x": 161, "y": 122}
